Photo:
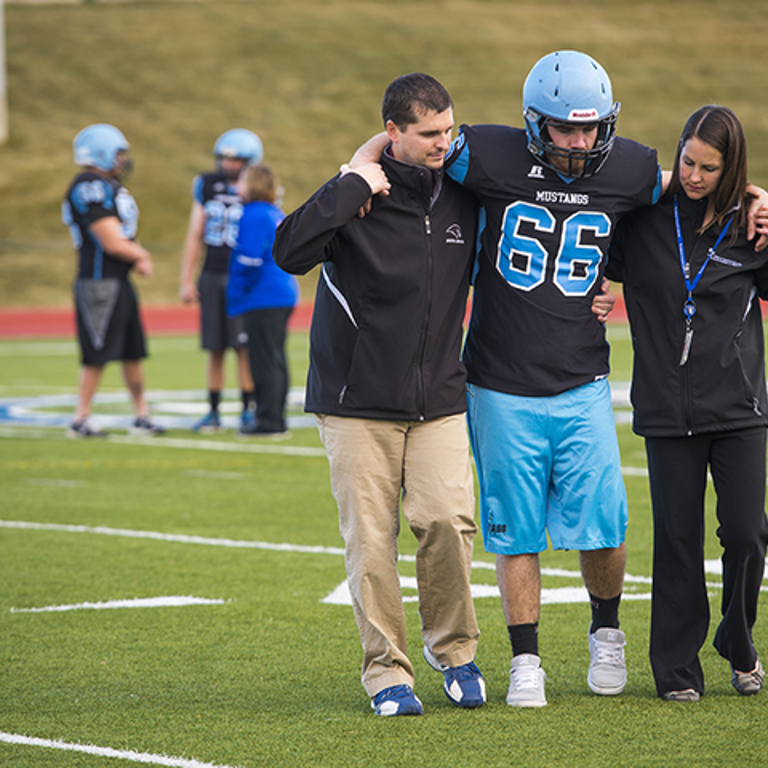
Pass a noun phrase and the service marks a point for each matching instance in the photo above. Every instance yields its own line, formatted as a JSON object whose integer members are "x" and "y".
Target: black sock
{"x": 214, "y": 398}
{"x": 605, "y": 613}
{"x": 524, "y": 638}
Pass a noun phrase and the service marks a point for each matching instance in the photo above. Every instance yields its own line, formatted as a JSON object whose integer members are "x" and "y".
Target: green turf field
{"x": 259, "y": 666}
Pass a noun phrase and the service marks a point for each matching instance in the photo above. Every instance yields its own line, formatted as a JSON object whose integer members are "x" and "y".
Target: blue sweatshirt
{"x": 255, "y": 281}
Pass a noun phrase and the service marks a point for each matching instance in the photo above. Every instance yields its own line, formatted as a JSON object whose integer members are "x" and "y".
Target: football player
{"x": 102, "y": 217}
{"x": 540, "y": 414}
{"x": 213, "y": 227}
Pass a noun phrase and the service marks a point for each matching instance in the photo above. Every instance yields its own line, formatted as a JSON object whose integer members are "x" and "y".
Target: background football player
{"x": 213, "y": 224}
{"x": 102, "y": 218}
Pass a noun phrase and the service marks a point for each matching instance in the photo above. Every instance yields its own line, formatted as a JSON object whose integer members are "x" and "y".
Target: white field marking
{"x": 55, "y": 410}
{"x": 712, "y": 566}
{"x": 174, "y": 601}
{"x": 172, "y": 537}
{"x": 557, "y": 596}
{"x": 122, "y": 754}
{"x": 213, "y": 542}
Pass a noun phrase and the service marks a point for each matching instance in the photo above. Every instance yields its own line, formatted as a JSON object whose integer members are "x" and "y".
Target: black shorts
{"x": 108, "y": 329}
{"x": 218, "y": 331}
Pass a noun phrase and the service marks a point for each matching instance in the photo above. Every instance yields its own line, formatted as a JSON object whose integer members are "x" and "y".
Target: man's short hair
{"x": 412, "y": 95}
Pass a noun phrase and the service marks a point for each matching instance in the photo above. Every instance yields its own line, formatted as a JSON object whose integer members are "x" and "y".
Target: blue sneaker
{"x": 247, "y": 422}
{"x": 211, "y": 422}
{"x": 463, "y": 685}
{"x": 397, "y": 700}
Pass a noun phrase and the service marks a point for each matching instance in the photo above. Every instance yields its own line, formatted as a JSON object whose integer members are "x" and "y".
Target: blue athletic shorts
{"x": 547, "y": 465}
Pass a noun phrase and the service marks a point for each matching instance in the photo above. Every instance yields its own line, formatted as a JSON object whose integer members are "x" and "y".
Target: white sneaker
{"x": 526, "y": 682}
{"x": 607, "y": 668}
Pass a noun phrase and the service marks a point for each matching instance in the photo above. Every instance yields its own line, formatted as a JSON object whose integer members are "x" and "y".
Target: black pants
{"x": 680, "y": 606}
{"x": 267, "y": 330}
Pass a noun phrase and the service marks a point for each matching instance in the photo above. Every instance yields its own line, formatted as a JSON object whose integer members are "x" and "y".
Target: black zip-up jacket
{"x": 385, "y": 341}
{"x": 722, "y": 384}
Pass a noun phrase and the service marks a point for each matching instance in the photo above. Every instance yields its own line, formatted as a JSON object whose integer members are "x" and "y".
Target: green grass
{"x": 308, "y": 77}
{"x": 271, "y": 676}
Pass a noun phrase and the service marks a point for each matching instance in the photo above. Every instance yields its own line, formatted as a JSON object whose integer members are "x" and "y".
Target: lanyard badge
{"x": 689, "y": 306}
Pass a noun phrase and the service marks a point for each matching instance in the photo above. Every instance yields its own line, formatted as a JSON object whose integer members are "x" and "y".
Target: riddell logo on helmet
{"x": 583, "y": 114}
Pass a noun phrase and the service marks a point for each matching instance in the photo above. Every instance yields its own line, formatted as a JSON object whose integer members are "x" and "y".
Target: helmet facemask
{"x": 581, "y": 163}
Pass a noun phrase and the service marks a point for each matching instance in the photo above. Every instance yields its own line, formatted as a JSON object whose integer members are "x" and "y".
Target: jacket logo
{"x": 453, "y": 235}
{"x": 536, "y": 172}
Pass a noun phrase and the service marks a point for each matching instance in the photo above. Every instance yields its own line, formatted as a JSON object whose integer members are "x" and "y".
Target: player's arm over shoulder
{"x": 638, "y": 168}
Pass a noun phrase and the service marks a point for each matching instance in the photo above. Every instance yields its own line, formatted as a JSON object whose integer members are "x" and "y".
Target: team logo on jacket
{"x": 720, "y": 259}
{"x": 453, "y": 235}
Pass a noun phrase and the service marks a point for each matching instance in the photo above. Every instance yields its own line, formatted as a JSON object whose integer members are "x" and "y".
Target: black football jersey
{"x": 223, "y": 209}
{"x": 89, "y": 198}
{"x": 543, "y": 246}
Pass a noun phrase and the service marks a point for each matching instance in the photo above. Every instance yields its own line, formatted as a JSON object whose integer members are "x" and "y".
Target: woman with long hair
{"x": 692, "y": 282}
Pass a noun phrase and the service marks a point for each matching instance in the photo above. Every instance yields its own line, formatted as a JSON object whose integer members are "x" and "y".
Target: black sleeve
{"x": 304, "y": 238}
{"x": 761, "y": 280}
{"x": 614, "y": 266}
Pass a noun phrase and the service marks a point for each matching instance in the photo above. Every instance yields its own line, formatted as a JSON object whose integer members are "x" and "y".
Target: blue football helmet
{"x": 239, "y": 143}
{"x": 569, "y": 87}
{"x": 98, "y": 145}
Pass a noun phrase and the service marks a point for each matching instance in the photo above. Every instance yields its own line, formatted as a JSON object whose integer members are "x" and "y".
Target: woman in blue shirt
{"x": 264, "y": 295}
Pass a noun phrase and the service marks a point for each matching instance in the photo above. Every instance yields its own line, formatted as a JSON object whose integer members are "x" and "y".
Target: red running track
{"x": 158, "y": 320}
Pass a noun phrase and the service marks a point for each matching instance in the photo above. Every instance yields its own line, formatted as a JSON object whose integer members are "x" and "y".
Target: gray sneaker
{"x": 607, "y": 668}
{"x": 526, "y": 682}
{"x": 748, "y": 683}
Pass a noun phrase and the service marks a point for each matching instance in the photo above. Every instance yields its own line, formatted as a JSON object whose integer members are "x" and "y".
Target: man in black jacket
{"x": 387, "y": 386}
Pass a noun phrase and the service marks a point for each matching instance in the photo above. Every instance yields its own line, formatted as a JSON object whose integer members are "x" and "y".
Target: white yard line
{"x": 173, "y": 601}
{"x": 121, "y": 754}
{"x": 172, "y": 537}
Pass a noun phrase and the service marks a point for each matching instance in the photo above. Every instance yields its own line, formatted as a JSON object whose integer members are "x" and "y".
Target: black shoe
{"x": 145, "y": 426}
{"x": 258, "y": 430}
{"x": 83, "y": 429}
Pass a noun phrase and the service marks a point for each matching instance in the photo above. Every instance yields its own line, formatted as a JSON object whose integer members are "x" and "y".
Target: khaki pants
{"x": 373, "y": 464}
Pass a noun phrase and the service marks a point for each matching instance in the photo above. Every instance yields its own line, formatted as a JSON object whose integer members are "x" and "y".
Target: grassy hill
{"x": 308, "y": 78}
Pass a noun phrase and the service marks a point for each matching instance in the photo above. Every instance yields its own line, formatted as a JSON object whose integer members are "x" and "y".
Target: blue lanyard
{"x": 689, "y": 308}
